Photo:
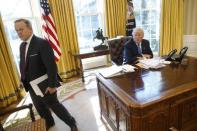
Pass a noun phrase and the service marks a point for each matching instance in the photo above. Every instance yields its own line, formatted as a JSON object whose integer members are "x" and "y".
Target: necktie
{"x": 23, "y": 62}
{"x": 139, "y": 49}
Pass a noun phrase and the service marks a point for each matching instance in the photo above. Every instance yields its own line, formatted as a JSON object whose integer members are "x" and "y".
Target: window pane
{"x": 153, "y": 4}
{"x": 87, "y": 34}
{"x": 137, "y": 5}
{"x": 95, "y": 22}
{"x": 15, "y": 9}
{"x": 85, "y": 21}
{"x": 92, "y": 6}
{"x": 138, "y": 18}
{"x": 145, "y": 18}
{"x": 144, "y": 4}
{"x": 85, "y": 7}
{"x": 153, "y": 31}
{"x": 154, "y": 45}
{"x": 153, "y": 16}
{"x": 147, "y": 15}
{"x": 88, "y": 17}
{"x": 78, "y": 21}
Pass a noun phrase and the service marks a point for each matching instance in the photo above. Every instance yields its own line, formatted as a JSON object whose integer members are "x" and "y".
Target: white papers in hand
{"x": 34, "y": 84}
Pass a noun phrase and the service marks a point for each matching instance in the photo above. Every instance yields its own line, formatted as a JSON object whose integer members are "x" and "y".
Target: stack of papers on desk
{"x": 151, "y": 63}
{"x": 127, "y": 68}
{"x": 116, "y": 70}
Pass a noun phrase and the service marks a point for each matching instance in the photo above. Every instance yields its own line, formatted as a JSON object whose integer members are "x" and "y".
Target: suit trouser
{"x": 42, "y": 105}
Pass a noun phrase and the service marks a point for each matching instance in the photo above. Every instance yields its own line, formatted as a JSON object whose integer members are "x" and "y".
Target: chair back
{"x": 29, "y": 106}
{"x": 116, "y": 47}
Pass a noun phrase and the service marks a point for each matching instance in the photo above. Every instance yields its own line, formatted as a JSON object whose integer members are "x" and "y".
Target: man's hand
{"x": 140, "y": 58}
{"x": 147, "y": 56}
{"x": 21, "y": 84}
{"x": 50, "y": 90}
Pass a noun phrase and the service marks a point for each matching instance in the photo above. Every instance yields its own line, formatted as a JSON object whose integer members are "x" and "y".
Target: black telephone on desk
{"x": 169, "y": 56}
{"x": 179, "y": 57}
{"x": 172, "y": 56}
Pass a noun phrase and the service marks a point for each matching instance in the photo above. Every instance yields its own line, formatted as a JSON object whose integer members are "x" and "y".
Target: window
{"x": 15, "y": 9}
{"x": 147, "y": 15}
{"x": 88, "y": 15}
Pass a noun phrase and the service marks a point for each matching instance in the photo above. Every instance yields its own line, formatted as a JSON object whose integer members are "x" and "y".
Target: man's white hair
{"x": 139, "y": 30}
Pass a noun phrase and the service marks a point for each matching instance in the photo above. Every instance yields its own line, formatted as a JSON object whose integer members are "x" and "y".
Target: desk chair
{"x": 116, "y": 47}
{"x": 35, "y": 125}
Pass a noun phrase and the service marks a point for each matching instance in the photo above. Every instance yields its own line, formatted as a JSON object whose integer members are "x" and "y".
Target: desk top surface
{"x": 145, "y": 86}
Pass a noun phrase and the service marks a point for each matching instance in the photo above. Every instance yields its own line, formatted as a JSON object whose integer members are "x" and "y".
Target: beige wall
{"x": 190, "y": 17}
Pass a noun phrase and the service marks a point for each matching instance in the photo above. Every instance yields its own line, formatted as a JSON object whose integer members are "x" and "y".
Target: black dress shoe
{"x": 48, "y": 126}
{"x": 74, "y": 128}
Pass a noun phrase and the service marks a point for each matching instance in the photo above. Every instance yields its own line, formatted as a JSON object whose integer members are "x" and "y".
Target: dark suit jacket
{"x": 39, "y": 61}
{"x": 130, "y": 53}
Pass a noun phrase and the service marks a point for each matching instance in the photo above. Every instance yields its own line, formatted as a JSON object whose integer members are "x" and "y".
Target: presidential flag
{"x": 130, "y": 25}
{"x": 49, "y": 30}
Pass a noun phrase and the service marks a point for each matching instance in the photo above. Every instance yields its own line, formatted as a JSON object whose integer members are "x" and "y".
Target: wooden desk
{"x": 89, "y": 54}
{"x": 151, "y": 100}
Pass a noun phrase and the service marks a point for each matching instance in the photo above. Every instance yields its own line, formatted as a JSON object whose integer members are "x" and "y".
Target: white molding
{"x": 94, "y": 62}
{"x": 191, "y": 42}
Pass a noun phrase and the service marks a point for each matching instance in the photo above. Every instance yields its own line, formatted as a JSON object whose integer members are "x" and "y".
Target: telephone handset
{"x": 170, "y": 54}
{"x": 181, "y": 54}
{"x": 183, "y": 51}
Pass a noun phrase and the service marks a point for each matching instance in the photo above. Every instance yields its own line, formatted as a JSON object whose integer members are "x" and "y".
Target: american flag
{"x": 49, "y": 29}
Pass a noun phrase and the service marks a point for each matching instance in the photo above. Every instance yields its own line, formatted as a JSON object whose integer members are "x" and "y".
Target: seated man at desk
{"x": 136, "y": 48}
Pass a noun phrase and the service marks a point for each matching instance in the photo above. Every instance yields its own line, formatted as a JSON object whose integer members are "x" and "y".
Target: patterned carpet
{"x": 66, "y": 91}
{"x": 70, "y": 89}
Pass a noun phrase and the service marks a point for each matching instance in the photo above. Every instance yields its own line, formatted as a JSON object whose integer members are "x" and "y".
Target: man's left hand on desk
{"x": 146, "y": 56}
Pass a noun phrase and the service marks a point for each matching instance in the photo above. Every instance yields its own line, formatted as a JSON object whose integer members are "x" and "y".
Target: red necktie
{"x": 23, "y": 62}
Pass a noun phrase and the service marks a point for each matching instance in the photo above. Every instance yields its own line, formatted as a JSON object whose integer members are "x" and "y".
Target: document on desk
{"x": 128, "y": 68}
{"x": 116, "y": 70}
{"x": 39, "y": 85}
{"x": 151, "y": 63}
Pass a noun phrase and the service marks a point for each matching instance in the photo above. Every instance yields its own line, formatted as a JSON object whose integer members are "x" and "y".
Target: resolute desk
{"x": 151, "y": 100}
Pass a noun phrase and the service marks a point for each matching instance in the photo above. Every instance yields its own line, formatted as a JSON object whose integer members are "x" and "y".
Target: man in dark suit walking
{"x": 136, "y": 48}
{"x": 36, "y": 60}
